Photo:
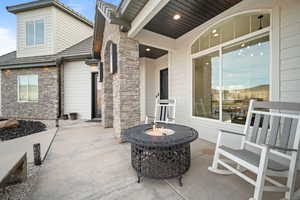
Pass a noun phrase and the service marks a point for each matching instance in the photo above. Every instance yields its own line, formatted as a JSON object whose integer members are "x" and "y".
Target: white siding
{"x": 69, "y": 31}
{"x": 77, "y": 89}
{"x": 143, "y": 88}
{"x": 61, "y": 31}
{"x": 47, "y": 48}
{"x": 153, "y": 68}
{"x": 0, "y": 94}
{"x": 285, "y": 69}
{"x": 290, "y": 51}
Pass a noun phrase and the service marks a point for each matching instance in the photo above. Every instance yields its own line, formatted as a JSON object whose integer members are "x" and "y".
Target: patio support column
{"x": 127, "y": 88}
{"x": 107, "y": 88}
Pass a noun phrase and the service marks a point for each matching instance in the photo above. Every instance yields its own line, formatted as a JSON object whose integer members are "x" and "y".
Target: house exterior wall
{"x": 290, "y": 48}
{"x": 47, "y": 14}
{"x": 77, "y": 89}
{"x": 143, "y": 88}
{"x": 284, "y": 72}
{"x": 0, "y": 93}
{"x": 47, "y": 105}
{"x": 61, "y": 31}
{"x": 153, "y": 67}
{"x": 68, "y": 30}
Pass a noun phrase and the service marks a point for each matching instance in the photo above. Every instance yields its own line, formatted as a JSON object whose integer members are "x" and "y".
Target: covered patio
{"x": 86, "y": 162}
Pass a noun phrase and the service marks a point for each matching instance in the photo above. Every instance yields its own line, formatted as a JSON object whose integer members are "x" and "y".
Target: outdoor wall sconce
{"x": 113, "y": 59}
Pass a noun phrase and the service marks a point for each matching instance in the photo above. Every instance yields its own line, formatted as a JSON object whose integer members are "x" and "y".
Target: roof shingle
{"x": 82, "y": 49}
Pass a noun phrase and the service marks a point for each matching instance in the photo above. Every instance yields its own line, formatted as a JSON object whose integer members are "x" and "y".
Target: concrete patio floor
{"x": 88, "y": 163}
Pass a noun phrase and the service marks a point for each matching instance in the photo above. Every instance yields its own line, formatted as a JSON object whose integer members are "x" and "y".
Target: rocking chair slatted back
{"x": 264, "y": 130}
{"x": 165, "y": 110}
{"x": 273, "y": 127}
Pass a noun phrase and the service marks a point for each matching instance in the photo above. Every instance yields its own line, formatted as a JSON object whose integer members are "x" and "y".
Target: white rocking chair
{"x": 269, "y": 148}
{"x": 165, "y": 110}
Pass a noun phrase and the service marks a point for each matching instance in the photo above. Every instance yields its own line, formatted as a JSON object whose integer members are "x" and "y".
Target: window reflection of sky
{"x": 243, "y": 68}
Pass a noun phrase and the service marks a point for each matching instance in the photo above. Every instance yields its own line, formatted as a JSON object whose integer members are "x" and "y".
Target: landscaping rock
{"x": 10, "y": 124}
{"x": 24, "y": 128}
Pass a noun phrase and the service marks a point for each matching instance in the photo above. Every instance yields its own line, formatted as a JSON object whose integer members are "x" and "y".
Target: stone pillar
{"x": 127, "y": 102}
{"x": 107, "y": 91}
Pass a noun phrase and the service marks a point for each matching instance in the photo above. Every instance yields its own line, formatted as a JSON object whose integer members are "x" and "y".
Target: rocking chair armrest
{"x": 279, "y": 148}
{"x": 232, "y": 132}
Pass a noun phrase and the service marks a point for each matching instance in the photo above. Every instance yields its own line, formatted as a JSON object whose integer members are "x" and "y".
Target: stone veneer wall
{"x": 47, "y": 105}
{"x": 121, "y": 95}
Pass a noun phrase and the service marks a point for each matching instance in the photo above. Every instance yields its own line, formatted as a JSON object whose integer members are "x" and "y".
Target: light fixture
{"x": 214, "y": 31}
{"x": 216, "y": 34}
{"x": 176, "y": 17}
{"x": 251, "y": 54}
{"x": 8, "y": 70}
{"x": 148, "y": 49}
{"x": 259, "y": 44}
{"x": 243, "y": 45}
{"x": 207, "y": 63}
{"x": 46, "y": 69}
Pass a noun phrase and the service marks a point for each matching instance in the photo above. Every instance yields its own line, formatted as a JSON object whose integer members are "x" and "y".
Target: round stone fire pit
{"x": 162, "y": 152}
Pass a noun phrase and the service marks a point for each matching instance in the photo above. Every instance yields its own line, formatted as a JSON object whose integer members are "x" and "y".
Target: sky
{"x": 8, "y": 20}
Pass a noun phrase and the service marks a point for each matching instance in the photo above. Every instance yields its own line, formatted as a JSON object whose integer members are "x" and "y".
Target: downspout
{"x": 58, "y": 65}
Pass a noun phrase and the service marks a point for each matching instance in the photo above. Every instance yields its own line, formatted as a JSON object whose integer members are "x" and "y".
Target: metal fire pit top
{"x": 182, "y": 134}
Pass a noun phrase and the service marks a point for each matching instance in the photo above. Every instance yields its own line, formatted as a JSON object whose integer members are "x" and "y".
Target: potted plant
{"x": 73, "y": 116}
{"x": 65, "y": 116}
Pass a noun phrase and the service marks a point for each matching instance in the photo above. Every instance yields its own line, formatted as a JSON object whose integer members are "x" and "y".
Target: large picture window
{"x": 28, "y": 88}
{"x": 227, "y": 76}
{"x": 35, "y": 32}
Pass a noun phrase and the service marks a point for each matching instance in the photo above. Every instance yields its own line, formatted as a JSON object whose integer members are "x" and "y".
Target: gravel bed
{"x": 25, "y": 128}
{"x": 21, "y": 191}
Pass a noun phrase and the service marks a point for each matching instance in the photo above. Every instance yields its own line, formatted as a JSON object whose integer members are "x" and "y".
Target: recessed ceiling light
{"x": 176, "y": 17}
{"x": 214, "y": 31}
{"x": 216, "y": 34}
{"x": 243, "y": 45}
{"x": 148, "y": 49}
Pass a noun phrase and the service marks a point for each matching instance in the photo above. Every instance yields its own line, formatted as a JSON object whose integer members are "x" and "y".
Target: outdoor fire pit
{"x": 161, "y": 151}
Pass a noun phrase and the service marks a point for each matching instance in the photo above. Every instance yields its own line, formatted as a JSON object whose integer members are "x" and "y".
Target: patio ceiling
{"x": 151, "y": 52}
{"x": 192, "y": 14}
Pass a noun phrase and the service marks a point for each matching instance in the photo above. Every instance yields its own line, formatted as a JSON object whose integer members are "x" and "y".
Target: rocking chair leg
{"x": 260, "y": 180}
{"x": 291, "y": 182}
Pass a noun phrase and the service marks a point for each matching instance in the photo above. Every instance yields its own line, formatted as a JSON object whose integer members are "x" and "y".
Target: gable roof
{"x": 79, "y": 51}
{"x": 46, "y": 3}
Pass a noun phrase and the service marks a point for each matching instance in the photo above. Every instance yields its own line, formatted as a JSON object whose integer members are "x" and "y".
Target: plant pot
{"x": 65, "y": 117}
{"x": 73, "y": 116}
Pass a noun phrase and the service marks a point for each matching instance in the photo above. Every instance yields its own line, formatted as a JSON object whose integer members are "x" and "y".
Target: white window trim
{"x": 18, "y": 89}
{"x": 219, "y": 48}
{"x": 34, "y": 36}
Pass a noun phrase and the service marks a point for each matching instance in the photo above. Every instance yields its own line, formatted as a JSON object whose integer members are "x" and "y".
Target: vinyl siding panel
{"x": 69, "y": 31}
{"x": 290, "y": 51}
{"x": 47, "y": 14}
{"x": 153, "y": 67}
{"x": 77, "y": 89}
{"x": 0, "y": 94}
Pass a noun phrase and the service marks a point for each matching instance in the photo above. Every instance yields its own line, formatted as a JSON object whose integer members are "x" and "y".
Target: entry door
{"x": 164, "y": 86}
{"x": 95, "y": 109}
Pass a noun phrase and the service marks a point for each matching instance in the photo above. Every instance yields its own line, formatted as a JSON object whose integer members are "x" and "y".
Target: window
{"x": 228, "y": 75}
{"x": 28, "y": 88}
{"x": 230, "y": 29}
{"x": 35, "y": 32}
